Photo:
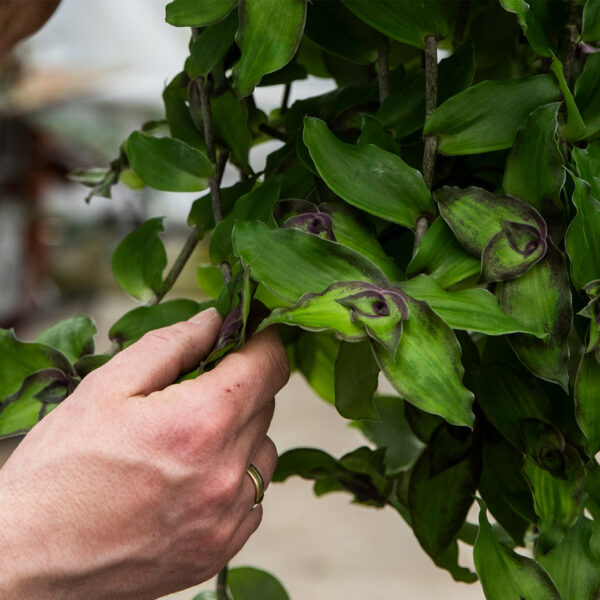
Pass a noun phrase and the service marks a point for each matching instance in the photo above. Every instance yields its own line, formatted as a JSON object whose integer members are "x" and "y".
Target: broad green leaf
{"x": 583, "y": 236}
{"x": 230, "y": 118}
{"x": 371, "y": 132}
{"x": 439, "y": 502}
{"x": 391, "y": 431}
{"x": 486, "y": 116}
{"x": 134, "y": 324}
{"x": 508, "y": 234}
{"x": 179, "y": 119}
{"x": 269, "y": 35}
{"x": 192, "y": 13}
{"x": 573, "y": 565}
{"x": 503, "y": 487}
{"x": 449, "y": 561}
{"x": 246, "y": 583}
{"x": 587, "y": 91}
{"x": 441, "y": 256}
{"x": 423, "y": 424}
{"x": 541, "y": 299}
{"x": 211, "y": 46}
{"x": 406, "y": 21}
{"x": 73, "y": 337}
{"x": 308, "y": 463}
{"x": 574, "y": 128}
{"x": 474, "y": 309}
{"x": 38, "y": 394}
{"x": 85, "y": 365}
{"x": 356, "y": 378}
{"x": 558, "y": 501}
{"x": 588, "y": 166}
{"x": 316, "y": 354}
{"x": 404, "y": 109}
{"x": 350, "y": 39}
{"x": 587, "y": 401}
{"x": 535, "y": 168}
{"x": 19, "y": 360}
{"x": 210, "y": 279}
{"x": 368, "y": 177}
{"x": 507, "y": 398}
{"x": 506, "y": 575}
{"x": 257, "y": 205}
{"x": 590, "y": 31}
{"x": 168, "y": 164}
{"x": 291, "y": 263}
{"x": 427, "y": 371}
{"x": 349, "y": 230}
{"x": 139, "y": 260}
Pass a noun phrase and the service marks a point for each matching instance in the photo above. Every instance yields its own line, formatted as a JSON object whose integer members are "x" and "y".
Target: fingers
{"x": 243, "y": 383}
{"x": 158, "y": 358}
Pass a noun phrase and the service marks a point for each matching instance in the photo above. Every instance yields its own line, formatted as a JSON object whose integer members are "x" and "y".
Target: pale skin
{"x": 135, "y": 486}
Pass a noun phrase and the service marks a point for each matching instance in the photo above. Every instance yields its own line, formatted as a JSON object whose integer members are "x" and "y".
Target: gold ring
{"x": 259, "y": 484}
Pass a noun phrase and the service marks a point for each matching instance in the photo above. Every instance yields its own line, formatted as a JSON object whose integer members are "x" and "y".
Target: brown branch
{"x": 286, "y": 98}
{"x": 383, "y": 75}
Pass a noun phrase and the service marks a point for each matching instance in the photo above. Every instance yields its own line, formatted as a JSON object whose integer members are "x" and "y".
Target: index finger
{"x": 244, "y": 382}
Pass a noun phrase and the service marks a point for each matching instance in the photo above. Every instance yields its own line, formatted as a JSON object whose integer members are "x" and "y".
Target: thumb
{"x": 160, "y": 356}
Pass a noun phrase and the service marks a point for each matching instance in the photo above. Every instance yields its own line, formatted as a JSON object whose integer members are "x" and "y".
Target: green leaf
{"x": 168, "y": 164}
{"x": 349, "y": 229}
{"x": 191, "y": 13}
{"x": 504, "y": 574}
{"x": 368, "y": 177}
{"x": 134, "y": 324}
{"x": 535, "y": 168}
{"x": 211, "y": 46}
{"x": 73, "y": 337}
{"x": 472, "y": 310}
{"x": 308, "y": 463}
{"x": 541, "y": 299}
{"x": 573, "y": 565}
{"x": 291, "y": 263}
{"x": 269, "y": 35}
{"x": 588, "y": 166}
{"x": 587, "y": 90}
{"x": 85, "y": 365}
{"x": 587, "y": 387}
{"x": 486, "y": 116}
{"x": 439, "y": 502}
{"x": 316, "y": 354}
{"x": 404, "y": 109}
{"x": 590, "y": 31}
{"x": 139, "y": 260}
{"x": 179, "y": 117}
{"x": 356, "y": 378}
{"x": 508, "y": 234}
{"x": 558, "y": 501}
{"x": 257, "y": 205}
{"x": 391, "y": 431}
{"x": 230, "y": 118}
{"x": 441, "y": 256}
{"x": 19, "y": 360}
{"x": 403, "y": 20}
{"x": 506, "y": 398}
{"x": 574, "y": 128}
{"x": 246, "y": 583}
{"x": 583, "y": 236}
{"x": 350, "y": 39}
{"x": 430, "y": 349}
{"x": 371, "y": 132}
{"x": 503, "y": 487}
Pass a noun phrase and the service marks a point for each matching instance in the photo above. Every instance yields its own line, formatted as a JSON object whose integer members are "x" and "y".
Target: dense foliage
{"x": 438, "y": 222}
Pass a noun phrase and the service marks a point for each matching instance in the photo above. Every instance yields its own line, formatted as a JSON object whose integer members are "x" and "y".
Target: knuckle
{"x": 226, "y": 488}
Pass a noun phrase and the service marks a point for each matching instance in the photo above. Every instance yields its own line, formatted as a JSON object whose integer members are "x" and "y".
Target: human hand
{"x": 135, "y": 487}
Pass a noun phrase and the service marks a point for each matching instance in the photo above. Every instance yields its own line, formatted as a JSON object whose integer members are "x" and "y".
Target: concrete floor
{"x": 321, "y": 549}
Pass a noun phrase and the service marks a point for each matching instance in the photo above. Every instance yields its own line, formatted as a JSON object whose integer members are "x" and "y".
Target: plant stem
{"x": 431, "y": 141}
{"x": 571, "y": 28}
{"x": 222, "y": 593}
{"x": 384, "y": 75}
{"x": 271, "y": 131}
{"x": 286, "y": 98}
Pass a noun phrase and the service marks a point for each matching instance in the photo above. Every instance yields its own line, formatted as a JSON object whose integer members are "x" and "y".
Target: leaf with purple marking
{"x": 317, "y": 223}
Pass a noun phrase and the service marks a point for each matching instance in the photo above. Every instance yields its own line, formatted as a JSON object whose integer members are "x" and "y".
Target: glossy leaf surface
{"x": 587, "y": 89}
{"x": 587, "y": 400}
{"x": 269, "y": 35}
{"x": 246, "y": 583}
{"x": 139, "y": 260}
{"x": 367, "y": 177}
{"x": 191, "y": 13}
{"x": 486, "y": 116}
{"x": 230, "y": 118}
{"x": 73, "y": 337}
{"x": 591, "y": 21}
{"x": 168, "y": 164}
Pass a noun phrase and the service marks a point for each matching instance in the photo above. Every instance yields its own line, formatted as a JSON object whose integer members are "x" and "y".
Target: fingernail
{"x": 206, "y": 316}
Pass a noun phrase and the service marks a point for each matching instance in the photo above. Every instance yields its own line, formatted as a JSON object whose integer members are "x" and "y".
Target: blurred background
{"x": 68, "y": 97}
